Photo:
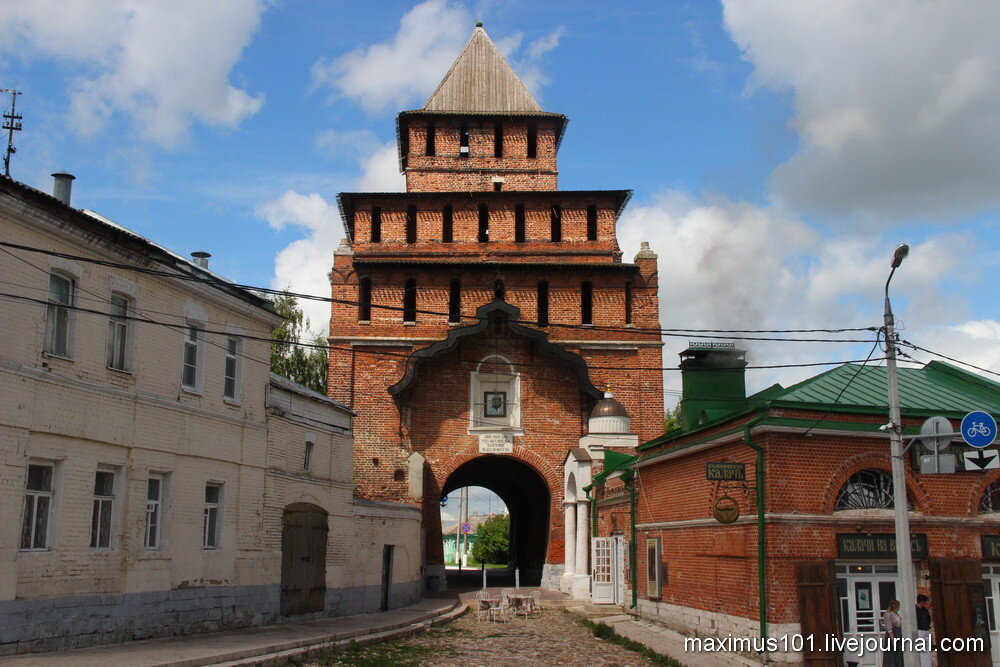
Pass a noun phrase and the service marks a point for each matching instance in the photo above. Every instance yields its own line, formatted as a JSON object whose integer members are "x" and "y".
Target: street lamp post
{"x": 906, "y": 588}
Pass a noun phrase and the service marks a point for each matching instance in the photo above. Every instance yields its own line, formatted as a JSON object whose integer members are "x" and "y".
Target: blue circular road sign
{"x": 979, "y": 429}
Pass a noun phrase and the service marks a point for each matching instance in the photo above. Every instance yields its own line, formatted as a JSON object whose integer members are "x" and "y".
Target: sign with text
{"x": 991, "y": 547}
{"x": 725, "y": 472}
{"x": 496, "y": 443}
{"x": 877, "y": 545}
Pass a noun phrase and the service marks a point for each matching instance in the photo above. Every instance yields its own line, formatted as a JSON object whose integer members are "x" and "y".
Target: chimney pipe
{"x": 201, "y": 258}
{"x": 62, "y": 189}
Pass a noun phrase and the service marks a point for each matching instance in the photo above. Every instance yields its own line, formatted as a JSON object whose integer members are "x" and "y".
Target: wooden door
{"x": 303, "y": 559}
{"x": 958, "y": 610}
{"x": 818, "y": 613}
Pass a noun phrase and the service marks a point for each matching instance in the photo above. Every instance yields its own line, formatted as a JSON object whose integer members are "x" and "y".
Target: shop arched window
{"x": 867, "y": 489}
{"x": 990, "y": 502}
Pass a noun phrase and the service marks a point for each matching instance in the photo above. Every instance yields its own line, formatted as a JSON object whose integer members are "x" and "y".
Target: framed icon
{"x": 495, "y": 404}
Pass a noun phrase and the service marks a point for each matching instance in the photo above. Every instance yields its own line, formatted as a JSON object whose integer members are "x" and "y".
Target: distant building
{"x": 781, "y": 503}
{"x": 155, "y": 477}
{"x": 453, "y": 540}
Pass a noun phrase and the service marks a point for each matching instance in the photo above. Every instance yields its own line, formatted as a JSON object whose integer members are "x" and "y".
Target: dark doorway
{"x": 386, "y": 575}
{"x": 303, "y": 559}
{"x": 526, "y": 496}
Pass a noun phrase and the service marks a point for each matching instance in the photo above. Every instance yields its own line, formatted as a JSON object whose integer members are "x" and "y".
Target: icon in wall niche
{"x": 495, "y": 404}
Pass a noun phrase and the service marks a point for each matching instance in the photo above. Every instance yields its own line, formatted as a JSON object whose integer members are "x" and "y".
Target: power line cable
{"x": 843, "y": 389}
{"x": 944, "y": 356}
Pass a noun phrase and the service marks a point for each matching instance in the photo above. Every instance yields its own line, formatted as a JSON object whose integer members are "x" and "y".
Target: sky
{"x": 778, "y": 150}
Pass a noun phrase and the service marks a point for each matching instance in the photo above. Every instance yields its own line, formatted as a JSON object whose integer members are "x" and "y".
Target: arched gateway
{"x": 479, "y": 316}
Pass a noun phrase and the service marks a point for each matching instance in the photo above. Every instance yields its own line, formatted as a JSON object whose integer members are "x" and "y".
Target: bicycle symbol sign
{"x": 979, "y": 429}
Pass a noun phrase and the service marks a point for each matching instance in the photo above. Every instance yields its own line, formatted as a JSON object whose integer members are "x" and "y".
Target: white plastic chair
{"x": 536, "y": 603}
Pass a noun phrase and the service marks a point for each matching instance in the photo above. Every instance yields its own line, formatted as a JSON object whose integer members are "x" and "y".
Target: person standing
{"x": 891, "y": 625}
{"x": 924, "y": 628}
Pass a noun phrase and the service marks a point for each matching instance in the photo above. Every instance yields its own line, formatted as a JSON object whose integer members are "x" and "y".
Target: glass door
{"x": 865, "y": 591}
{"x": 991, "y": 587}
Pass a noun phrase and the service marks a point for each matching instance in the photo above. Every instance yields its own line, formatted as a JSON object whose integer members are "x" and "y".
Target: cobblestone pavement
{"x": 553, "y": 638}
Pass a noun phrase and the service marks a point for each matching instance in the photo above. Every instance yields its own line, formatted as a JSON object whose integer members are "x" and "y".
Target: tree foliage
{"x": 672, "y": 419}
{"x": 492, "y": 544}
{"x": 289, "y": 358}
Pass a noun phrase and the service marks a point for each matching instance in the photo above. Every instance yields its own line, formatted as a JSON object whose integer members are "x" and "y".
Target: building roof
{"x": 481, "y": 80}
{"x": 282, "y": 382}
{"x": 474, "y": 520}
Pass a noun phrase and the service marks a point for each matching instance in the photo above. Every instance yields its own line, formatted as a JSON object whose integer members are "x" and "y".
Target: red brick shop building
{"x": 825, "y": 533}
{"x": 480, "y": 315}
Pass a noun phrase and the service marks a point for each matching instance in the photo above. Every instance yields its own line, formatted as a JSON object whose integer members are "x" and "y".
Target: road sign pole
{"x": 906, "y": 586}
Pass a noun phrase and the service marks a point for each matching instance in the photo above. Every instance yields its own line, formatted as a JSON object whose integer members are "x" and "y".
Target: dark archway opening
{"x": 526, "y": 495}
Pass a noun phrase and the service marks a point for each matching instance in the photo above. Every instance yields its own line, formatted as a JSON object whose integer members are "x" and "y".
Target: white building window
{"x": 231, "y": 374}
{"x": 119, "y": 333}
{"x": 104, "y": 505}
{"x": 57, "y": 315}
{"x": 39, "y": 495}
{"x": 495, "y": 396}
{"x": 213, "y": 507}
{"x": 154, "y": 511}
{"x": 307, "y": 458}
{"x": 193, "y": 357}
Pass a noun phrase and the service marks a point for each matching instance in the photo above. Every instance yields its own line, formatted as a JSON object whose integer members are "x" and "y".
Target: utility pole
{"x": 458, "y": 534}
{"x": 12, "y": 124}
{"x": 906, "y": 587}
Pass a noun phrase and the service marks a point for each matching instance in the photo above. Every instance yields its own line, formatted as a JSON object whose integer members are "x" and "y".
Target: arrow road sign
{"x": 978, "y": 429}
{"x": 984, "y": 459}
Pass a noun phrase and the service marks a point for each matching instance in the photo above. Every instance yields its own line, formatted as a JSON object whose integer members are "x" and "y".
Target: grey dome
{"x": 608, "y": 407}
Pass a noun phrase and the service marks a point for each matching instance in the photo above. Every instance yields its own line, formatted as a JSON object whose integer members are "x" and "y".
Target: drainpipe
{"x": 761, "y": 529}
{"x": 629, "y": 478}
{"x": 593, "y": 509}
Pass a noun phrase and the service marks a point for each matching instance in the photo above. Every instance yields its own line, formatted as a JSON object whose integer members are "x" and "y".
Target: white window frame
{"x": 211, "y": 508}
{"x": 31, "y": 497}
{"x": 153, "y": 523}
{"x": 654, "y": 568}
{"x": 198, "y": 344}
{"x": 234, "y": 354}
{"x": 480, "y": 382}
{"x": 120, "y": 332}
{"x": 52, "y": 310}
{"x": 104, "y": 505}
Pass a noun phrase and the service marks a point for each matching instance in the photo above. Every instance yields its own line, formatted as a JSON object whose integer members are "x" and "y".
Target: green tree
{"x": 492, "y": 544}
{"x": 289, "y": 357}
{"x": 672, "y": 419}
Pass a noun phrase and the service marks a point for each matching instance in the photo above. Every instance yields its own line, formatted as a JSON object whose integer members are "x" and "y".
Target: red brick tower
{"x": 484, "y": 313}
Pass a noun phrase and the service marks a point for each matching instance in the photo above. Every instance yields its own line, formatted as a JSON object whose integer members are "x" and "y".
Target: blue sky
{"x": 778, "y": 149}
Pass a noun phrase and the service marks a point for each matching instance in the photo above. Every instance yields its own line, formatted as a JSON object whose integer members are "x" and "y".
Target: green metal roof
{"x": 613, "y": 461}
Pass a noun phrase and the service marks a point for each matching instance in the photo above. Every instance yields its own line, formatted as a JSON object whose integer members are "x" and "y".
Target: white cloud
{"x": 896, "y": 102}
{"x": 973, "y": 341}
{"x": 381, "y": 171}
{"x": 164, "y": 65}
{"x": 529, "y": 64}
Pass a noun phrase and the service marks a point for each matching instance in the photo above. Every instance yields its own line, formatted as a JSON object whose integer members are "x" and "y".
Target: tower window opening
{"x": 499, "y": 290}
{"x": 410, "y": 300}
{"x": 447, "y": 224}
{"x": 376, "y": 229}
{"x": 365, "y": 299}
{"x": 532, "y": 141}
{"x": 497, "y": 186}
{"x": 411, "y": 224}
{"x": 498, "y": 140}
{"x": 519, "y": 223}
{"x": 556, "y": 222}
{"x": 628, "y": 302}
{"x": 591, "y": 222}
{"x": 429, "y": 140}
{"x": 484, "y": 223}
{"x": 455, "y": 301}
{"x": 543, "y": 303}
{"x": 463, "y": 141}
{"x": 586, "y": 302}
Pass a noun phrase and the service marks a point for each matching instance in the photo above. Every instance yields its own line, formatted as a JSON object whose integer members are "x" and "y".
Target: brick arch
{"x": 859, "y": 462}
{"x": 542, "y": 467}
{"x": 979, "y": 489}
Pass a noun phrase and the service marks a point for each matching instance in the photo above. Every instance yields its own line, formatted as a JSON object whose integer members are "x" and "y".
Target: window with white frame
{"x": 39, "y": 494}
{"x": 231, "y": 374}
{"x": 104, "y": 506}
{"x": 213, "y": 508}
{"x": 191, "y": 373}
{"x": 154, "y": 511}
{"x": 118, "y": 333}
{"x": 495, "y": 396}
{"x": 57, "y": 315}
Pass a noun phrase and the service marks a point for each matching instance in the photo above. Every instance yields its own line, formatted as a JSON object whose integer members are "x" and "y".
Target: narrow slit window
{"x": 499, "y": 290}
{"x": 484, "y": 223}
{"x": 591, "y": 222}
{"x": 410, "y": 301}
{"x": 447, "y": 224}
{"x": 532, "y": 141}
{"x": 519, "y": 223}
{"x": 308, "y": 455}
{"x": 498, "y": 140}
{"x": 628, "y": 302}
{"x": 497, "y": 186}
{"x": 411, "y": 224}
{"x": 376, "y": 224}
{"x": 586, "y": 302}
{"x": 455, "y": 301}
{"x": 365, "y": 299}
{"x": 543, "y": 303}
{"x": 463, "y": 141}
{"x": 429, "y": 140}
{"x": 556, "y": 222}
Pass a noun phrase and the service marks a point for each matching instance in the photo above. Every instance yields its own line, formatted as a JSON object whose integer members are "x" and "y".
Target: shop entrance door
{"x": 991, "y": 586}
{"x": 865, "y": 591}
